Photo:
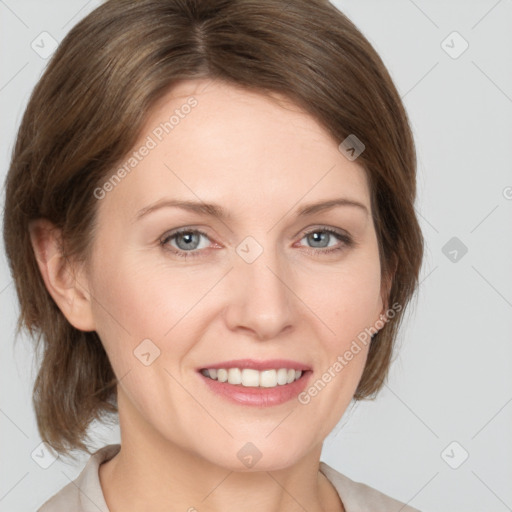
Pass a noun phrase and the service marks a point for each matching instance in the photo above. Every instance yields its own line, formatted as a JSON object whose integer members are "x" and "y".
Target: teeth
{"x": 250, "y": 377}
{"x": 282, "y": 376}
{"x": 234, "y": 376}
{"x": 254, "y": 378}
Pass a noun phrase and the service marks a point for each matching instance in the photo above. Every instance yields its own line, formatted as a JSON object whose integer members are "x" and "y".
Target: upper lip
{"x": 268, "y": 364}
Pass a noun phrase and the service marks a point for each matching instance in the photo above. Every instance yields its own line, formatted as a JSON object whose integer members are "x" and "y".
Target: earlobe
{"x": 64, "y": 282}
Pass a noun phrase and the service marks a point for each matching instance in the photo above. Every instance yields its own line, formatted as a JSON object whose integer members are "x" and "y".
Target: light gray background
{"x": 452, "y": 380}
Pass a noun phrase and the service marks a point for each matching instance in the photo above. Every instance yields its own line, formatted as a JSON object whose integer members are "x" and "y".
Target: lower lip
{"x": 258, "y": 396}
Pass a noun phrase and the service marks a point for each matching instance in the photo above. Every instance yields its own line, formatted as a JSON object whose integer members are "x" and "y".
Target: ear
{"x": 65, "y": 283}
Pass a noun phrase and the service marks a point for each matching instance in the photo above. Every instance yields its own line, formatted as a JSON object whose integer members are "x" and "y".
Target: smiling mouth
{"x": 248, "y": 377}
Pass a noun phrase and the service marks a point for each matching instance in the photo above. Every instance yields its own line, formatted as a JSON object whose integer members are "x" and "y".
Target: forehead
{"x": 212, "y": 141}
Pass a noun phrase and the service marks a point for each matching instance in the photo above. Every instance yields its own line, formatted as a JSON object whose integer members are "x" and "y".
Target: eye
{"x": 321, "y": 239}
{"x": 188, "y": 242}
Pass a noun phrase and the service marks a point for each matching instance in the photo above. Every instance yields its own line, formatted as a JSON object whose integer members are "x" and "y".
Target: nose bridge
{"x": 262, "y": 299}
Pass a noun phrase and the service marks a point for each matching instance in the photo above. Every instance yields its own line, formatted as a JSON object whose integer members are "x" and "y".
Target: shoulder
{"x": 359, "y": 497}
{"x": 84, "y": 494}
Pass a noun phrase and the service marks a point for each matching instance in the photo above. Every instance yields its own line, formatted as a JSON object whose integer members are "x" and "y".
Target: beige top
{"x": 84, "y": 494}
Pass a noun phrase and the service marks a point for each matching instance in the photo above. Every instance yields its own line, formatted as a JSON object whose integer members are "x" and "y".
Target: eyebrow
{"x": 217, "y": 211}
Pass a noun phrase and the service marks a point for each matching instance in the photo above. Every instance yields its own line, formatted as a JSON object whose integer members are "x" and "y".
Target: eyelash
{"x": 346, "y": 239}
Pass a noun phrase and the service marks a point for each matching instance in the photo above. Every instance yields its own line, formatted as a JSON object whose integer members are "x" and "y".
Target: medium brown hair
{"x": 87, "y": 111}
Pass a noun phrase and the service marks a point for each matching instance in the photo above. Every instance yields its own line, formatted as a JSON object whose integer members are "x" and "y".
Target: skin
{"x": 261, "y": 159}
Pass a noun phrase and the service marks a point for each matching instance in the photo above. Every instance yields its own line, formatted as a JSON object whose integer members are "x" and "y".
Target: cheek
{"x": 349, "y": 303}
{"x": 347, "y": 300}
{"x": 136, "y": 300}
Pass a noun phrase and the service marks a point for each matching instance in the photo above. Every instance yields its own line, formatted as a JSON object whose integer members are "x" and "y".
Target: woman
{"x": 210, "y": 223}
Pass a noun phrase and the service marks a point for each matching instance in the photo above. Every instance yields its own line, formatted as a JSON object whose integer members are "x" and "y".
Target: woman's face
{"x": 261, "y": 283}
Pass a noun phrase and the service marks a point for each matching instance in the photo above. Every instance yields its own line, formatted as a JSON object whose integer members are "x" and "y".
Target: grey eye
{"x": 319, "y": 238}
{"x": 187, "y": 240}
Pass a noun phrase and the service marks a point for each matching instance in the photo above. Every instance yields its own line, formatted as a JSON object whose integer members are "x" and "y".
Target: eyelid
{"x": 320, "y": 227}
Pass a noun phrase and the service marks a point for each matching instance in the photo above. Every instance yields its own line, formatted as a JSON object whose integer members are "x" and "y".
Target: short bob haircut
{"x": 88, "y": 108}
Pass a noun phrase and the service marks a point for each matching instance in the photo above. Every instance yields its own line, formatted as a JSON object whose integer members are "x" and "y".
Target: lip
{"x": 269, "y": 364}
{"x": 258, "y": 396}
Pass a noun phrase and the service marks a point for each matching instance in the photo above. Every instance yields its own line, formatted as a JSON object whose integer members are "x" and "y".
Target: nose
{"x": 261, "y": 299}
